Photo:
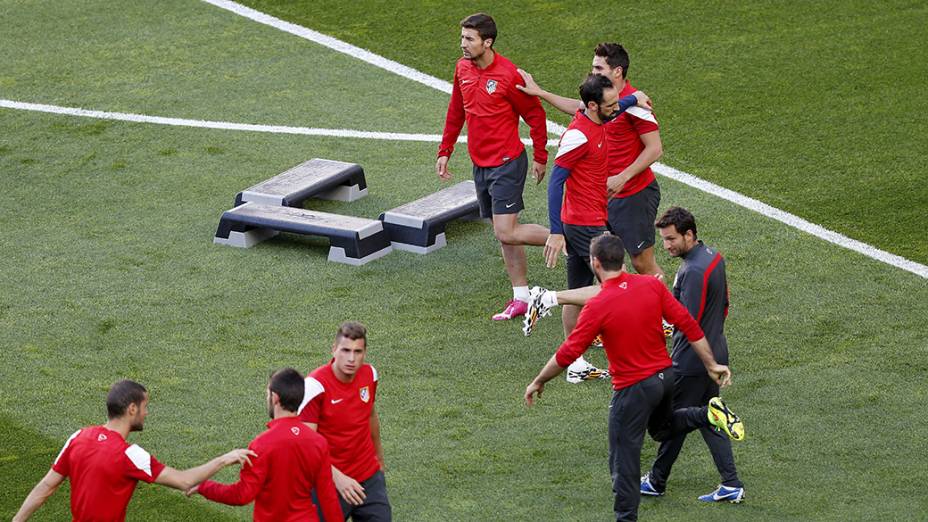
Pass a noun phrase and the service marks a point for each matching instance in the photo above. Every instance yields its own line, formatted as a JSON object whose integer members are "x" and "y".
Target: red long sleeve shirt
{"x": 488, "y": 101}
{"x": 627, "y": 312}
{"x": 292, "y": 460}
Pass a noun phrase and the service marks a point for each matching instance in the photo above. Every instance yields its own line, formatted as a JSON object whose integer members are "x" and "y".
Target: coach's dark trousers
{"x": 695, "y": 390}
{"x": 645, "y": 405}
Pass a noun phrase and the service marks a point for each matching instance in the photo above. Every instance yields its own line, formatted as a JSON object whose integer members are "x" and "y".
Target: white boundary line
{"x": 670, "y": 172}
{"x": 226, "y": 125}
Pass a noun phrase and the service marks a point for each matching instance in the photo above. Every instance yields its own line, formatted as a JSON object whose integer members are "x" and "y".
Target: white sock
{"x": 549, "y": 298}
{"x": 520, "y": 293}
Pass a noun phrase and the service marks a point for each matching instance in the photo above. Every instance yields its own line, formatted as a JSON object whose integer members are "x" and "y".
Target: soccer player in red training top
{"x": 104, "y": 468}
{"x": 627, "y": 313}
{"x": 634, "y": 144}
{"x": 580, "y": 167}
{"x": 484, "y": 96}
{"x": 339, "y": 404}
{"x": 292, "y": 461}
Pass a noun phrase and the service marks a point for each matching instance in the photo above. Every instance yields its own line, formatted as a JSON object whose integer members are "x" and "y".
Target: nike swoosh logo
{"x": 639, "y": 244}
{"x": 337, "y": 401}
{"x": 465, "y": 81}
{"x": 510, "y": 205}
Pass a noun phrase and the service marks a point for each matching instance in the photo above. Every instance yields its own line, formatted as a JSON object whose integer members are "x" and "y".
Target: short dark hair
{"x": 289, "y": 386}
{"x": 121, "y": 395}
{"x": 680, "y": 218}
{"x": 591, "y": 90}
{"x": 615, "y": 55}
{"x": 609, "y": 250}
{"x": 351, "y": 330}
{"x": 483, "y": 24}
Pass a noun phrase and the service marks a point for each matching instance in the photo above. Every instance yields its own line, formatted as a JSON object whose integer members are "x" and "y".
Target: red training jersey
{"x": 487, "y": 99}
{"x": 624, "y": 134}
{"x": 583, "y": 150}
{"x": 627, "y": 312}
{"x": 292, "y": 460}
{"x": 103, "y": 469}
{"x": 342, "y": 412}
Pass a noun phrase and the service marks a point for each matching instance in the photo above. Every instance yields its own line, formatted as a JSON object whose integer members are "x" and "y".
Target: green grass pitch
{"x": 108, "y": 268}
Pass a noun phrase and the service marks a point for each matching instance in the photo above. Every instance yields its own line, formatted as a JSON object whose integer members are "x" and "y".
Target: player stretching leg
{"x": 485, "y": 96}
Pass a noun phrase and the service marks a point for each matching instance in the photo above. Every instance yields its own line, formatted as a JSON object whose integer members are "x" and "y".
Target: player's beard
{"x": 138, "y": 424}
{"x": 270, "y": 407}
{"x": 605, "y": 118}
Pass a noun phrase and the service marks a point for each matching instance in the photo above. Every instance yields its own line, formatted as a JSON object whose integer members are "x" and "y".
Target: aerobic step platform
{"x": 419, "y": 226}
{"x": 316, "y": 178}
{"x": 352, "y": 240}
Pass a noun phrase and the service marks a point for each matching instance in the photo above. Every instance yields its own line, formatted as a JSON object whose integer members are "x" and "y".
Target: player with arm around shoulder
{"x": 634, "y": 144}
{"x": 339, "y": 404}
{"x": 104, "y": 468}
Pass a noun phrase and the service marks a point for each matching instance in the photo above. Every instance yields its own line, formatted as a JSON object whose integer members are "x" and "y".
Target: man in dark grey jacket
{"x": 701, "y": 286}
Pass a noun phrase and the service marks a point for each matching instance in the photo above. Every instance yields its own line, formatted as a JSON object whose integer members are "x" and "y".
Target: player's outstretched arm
{"x": 39, "y": 494}
{"x": 188, "y": 478}
{"x": 561, "y": 103}
{"x": 535, "y": 388}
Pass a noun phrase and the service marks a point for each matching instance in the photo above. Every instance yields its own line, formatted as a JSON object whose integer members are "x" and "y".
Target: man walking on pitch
{"x": 580, "y": 168}
{"x": 634, "y": 144}
{"x": 701, "y": 286}
{"x": 339, "y": 404}
{"x": 104, "y": 469}
{"x": 627, "y": 313}
{"x": 484, "y": 95}
{"x": 292, "y": 461}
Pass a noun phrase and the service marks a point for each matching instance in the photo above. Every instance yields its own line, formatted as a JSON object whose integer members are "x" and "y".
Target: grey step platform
{"x": 419, "y": 226}
{"x": 316, "y": 178}
{"x": 352, "y": 240}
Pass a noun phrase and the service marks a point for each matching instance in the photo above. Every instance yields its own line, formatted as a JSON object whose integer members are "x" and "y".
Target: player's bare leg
{"x": 569, "y": 315}
{"x": 512, "y": 236}
{"x": 576, "y": 296}
{"x": 509, "y": 231}
{"x": 645, "y": 263}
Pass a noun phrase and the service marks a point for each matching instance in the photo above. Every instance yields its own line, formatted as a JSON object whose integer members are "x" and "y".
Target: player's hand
{"x": 531, "y": 391}
{"x": 348, "y": 488}
{"x": 555, "y": 245}
{"x": 614, "y": 184}
{"x": 643, "y": 100}
{"x": 531, "y": 88}
{"x": 441, "y": 167}
{"x": 192, "y": 491}
{"x": 538, "y": 171}
{"x": 238, "y": 456}
{"x": 721, "y": 374}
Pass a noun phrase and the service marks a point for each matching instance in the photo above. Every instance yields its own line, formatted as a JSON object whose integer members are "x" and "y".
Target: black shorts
{"x": 632, "y": 218}
{"x": 499, "y": 189}
{"x": 579, "y": 271}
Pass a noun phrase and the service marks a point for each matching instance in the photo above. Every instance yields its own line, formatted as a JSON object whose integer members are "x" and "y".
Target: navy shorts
{"x": 632, "y": 218}
{"x": 499, "y": 189}
{"x": 579, "y": 271}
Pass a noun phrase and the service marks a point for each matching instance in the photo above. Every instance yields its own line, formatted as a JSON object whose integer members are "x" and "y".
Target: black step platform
{"x": 419, "y": 226}
{"x": 352, "y": 240}
{"x": 316, "y": 178}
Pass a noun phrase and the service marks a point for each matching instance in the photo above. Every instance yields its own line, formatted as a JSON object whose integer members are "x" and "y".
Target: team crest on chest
{"x": 365, "y": 394}
{"x": 491, "y": 86}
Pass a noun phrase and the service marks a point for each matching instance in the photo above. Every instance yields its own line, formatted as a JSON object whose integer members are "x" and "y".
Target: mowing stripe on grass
{"x": 664, "y": 170}
{"x": 226, "y": 125}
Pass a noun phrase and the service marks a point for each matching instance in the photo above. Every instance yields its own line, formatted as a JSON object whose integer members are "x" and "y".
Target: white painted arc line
{"x": 351, "y": 50}
{"x": 225, "y": 125}
{"x": 660, "y": 168}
